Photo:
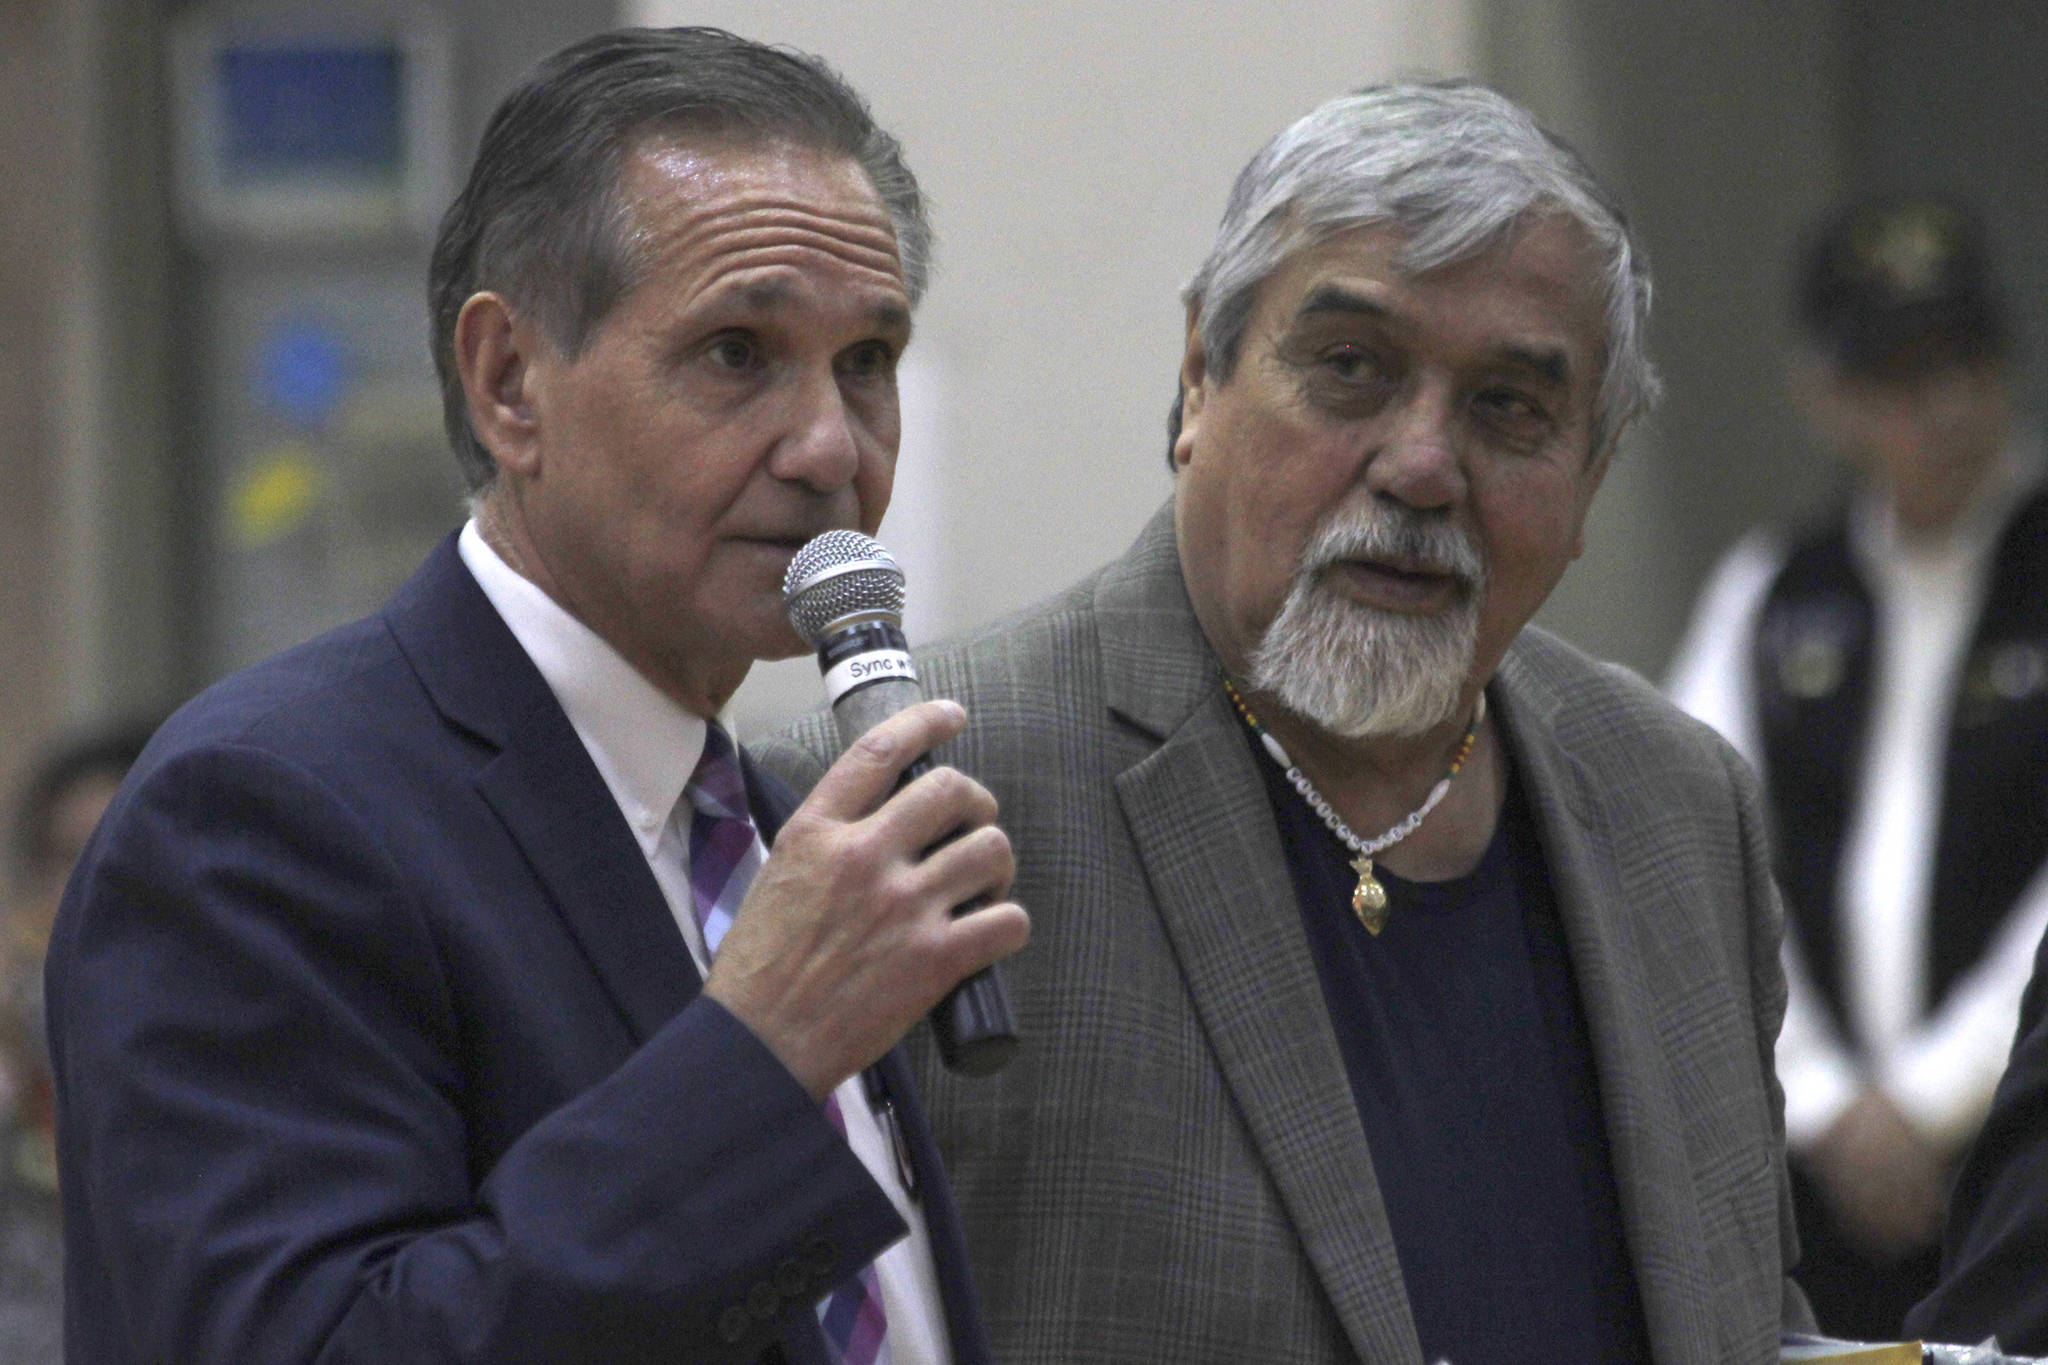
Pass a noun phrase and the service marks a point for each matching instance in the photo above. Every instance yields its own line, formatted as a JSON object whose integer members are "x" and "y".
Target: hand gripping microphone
{"x": 844, "y": 594}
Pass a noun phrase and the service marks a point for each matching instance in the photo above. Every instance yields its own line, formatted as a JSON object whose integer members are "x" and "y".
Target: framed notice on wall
{"x": 301, "y": 126}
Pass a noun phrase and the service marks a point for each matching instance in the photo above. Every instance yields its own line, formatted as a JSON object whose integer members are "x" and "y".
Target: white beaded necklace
{"x": 1369, "y": 898}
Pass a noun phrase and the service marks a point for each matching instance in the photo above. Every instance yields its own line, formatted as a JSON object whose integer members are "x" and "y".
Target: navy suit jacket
{"x": 376, "y": 1041}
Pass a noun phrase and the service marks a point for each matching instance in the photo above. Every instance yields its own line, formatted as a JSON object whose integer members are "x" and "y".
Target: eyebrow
{"x": 765, "y": 296}
{"x": 1549, "y": 363}
{"x": 892, "y": 317}
{"x": 1335, "y": 298}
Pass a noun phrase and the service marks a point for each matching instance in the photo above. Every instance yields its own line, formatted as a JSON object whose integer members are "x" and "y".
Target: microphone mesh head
{"x": 837, "y": 575}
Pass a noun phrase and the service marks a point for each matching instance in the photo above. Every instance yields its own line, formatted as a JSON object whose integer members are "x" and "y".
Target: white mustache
{"x": 1377, "y": 531}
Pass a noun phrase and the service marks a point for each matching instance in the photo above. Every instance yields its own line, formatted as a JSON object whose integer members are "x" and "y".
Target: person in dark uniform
{"x": 1887, "y": 672}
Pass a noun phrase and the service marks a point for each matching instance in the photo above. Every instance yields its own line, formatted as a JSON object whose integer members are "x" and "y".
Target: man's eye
{"x": 1346, "y": 379}
{"x": 733, "y": 352}
{"x": 1348, "y": 363}
{"x": 1510, "y": 404}
{"x": 869, "y": 360}
{"x": 1513, "y": 413}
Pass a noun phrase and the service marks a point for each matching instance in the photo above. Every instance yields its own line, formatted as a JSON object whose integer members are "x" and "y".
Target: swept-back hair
{"x": 1452, "y": 165}
{"x": 541, "y": 220}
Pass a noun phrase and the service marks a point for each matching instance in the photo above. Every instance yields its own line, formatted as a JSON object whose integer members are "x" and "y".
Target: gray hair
{"x": 1454, "y": 166}
{"x": 541, "y": 220}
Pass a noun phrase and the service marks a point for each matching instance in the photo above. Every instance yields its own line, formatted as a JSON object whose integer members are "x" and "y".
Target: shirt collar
{"x": 645, "y": 746}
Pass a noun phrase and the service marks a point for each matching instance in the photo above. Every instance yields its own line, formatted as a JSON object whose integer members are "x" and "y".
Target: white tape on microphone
{"x": 866, "y": 667}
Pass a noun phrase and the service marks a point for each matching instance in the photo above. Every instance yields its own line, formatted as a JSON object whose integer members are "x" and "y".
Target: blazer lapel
{"x": 545, "y": 790}
{"x": 1618, "y": 991}
{"x": 594, "y": 872}
{"x": 1205, "y": 832}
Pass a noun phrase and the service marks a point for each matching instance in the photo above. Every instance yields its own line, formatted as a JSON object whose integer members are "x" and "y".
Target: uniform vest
{"x": 1814, "y": 666}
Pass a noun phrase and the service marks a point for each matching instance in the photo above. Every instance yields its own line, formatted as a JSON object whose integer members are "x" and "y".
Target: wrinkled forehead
{"x": 703, "y": 210}
{"x": 1545, "y": 264}
{"x": 701, "y": 170}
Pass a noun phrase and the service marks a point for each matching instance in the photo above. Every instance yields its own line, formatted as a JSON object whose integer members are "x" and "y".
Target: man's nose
{"x": 1416, "y": 459}
{"x": 819, "y": 446}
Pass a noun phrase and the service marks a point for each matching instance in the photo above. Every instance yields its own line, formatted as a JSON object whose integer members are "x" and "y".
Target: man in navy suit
{"x": 428, "y": 992}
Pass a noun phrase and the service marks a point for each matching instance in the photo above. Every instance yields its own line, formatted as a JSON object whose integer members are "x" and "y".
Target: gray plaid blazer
{"x": 1173, "y": 1169}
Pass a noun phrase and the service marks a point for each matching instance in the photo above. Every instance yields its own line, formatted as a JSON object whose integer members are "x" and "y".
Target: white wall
{"x": 1077, "y": 156}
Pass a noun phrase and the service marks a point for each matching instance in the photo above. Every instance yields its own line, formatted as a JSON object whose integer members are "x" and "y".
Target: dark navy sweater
{"x": 1461, "y": 1029}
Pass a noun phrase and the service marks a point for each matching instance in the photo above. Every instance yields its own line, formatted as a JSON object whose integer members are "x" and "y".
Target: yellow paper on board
{"x": 1889, "y": 1353}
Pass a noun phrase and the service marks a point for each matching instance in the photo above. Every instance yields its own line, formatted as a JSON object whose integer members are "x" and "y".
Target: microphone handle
{"x": 975, "y": 1025}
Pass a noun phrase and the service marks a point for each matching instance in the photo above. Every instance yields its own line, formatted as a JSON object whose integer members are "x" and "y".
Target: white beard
{"x": 1359, "y": 671}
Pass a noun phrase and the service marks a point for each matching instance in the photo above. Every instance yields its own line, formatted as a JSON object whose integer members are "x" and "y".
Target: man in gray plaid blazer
{"x": 1404, "y": 983}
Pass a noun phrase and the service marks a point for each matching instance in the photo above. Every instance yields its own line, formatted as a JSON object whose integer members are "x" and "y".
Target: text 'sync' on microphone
{"x": 844, "y": 594}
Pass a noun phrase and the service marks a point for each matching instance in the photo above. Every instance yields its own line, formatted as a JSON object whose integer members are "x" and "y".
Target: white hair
{"x": 1453, "y": 166}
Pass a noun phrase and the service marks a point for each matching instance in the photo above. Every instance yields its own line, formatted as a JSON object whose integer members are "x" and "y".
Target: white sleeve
{"x": 1710, "y": 678}
{"x": 1820, "y": 1078}
{"x": 1944, "y": 1072}
{"x": 1710, "y": 672}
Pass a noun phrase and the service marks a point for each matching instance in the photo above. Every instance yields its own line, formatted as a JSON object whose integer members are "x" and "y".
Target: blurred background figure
{"x": 1887, "y": 671}
{"x": 55, "y": 814}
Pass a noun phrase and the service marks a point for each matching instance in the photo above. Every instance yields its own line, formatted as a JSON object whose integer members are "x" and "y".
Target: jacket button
{"x": 734, "y": 1324}
{"x": 791, "y": 1278}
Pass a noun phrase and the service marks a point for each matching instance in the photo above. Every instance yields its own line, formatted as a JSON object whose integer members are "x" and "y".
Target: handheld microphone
{"x": 844, "y": 594}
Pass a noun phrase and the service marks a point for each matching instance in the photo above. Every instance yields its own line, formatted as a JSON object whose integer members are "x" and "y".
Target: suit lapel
{"x": 1618, "y": 991}
{"x": 1205, "y": 833}
{"x": 592, "y": 869}
{"x": 545, "y": 790}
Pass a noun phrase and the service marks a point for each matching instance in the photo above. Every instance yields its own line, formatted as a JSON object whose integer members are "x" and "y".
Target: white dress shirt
{"x": 1941, "y": 1067}
{"x": 645, "y": 746}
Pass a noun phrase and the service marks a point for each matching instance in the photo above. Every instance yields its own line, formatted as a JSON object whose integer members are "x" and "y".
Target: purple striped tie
{"x": 724, "y": 856}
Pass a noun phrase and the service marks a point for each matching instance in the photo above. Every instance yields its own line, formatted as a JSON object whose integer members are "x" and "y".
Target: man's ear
{"x": 494, "y": 354}
{"x": 1194, "y": 372}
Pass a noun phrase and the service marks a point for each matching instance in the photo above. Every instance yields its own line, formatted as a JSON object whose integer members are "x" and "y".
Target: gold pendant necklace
{"x": 1369, "y": 897}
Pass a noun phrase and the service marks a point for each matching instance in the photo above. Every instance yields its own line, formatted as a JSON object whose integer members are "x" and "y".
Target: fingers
{"x": 941, "y": 805}
{"x": 930, "y": 819}
{"x": 866, "y": 773}
{"x": 977, "y": 866}
{"x": 954, "y": 948}
{"x": 980, "y": 938}
{"x": 849, "y": 935}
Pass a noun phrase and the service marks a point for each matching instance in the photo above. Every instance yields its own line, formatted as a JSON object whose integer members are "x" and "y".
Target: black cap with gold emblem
{"x": 1902, "y": 286}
